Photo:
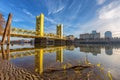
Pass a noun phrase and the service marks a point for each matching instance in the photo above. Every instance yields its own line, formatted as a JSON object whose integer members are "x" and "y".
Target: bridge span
{"x": 39, "y": 35}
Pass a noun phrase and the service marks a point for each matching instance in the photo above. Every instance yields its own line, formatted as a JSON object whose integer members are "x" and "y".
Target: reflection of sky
{"x": 109, "y": 62}
{"x": 18, "y": 46}
{"x": 78, "y": 16}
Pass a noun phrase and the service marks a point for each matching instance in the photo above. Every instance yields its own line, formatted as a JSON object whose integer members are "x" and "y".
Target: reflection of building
{"x": 93, "y": 35}
{"x": 108, "y": 34}
{"x": 108, "y": 50}
{"x": 70, "y": 48}
{"x": 60, "y": 30}
{"x": 90, "y": 49}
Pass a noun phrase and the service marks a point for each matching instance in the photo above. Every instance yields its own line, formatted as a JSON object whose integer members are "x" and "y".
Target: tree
{"x": 2, "y": 23}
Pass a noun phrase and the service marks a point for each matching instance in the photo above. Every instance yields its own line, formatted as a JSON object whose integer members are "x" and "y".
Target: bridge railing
{"x": 22, "y": 31}
{"x": 33, "y": 33}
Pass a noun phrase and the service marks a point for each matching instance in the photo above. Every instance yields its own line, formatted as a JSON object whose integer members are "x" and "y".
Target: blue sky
{"x": 77, "y": 16}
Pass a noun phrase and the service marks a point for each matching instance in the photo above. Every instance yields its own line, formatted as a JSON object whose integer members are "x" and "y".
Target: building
{"x": 70, "y": 37}
{"x": 108, "y": 34}
{"x": 93, "y": 35}
{"x": 84, "y": 36}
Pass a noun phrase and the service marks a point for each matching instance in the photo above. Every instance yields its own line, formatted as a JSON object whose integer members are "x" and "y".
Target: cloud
{"x": 50, "y": 20}
{"x": 72, "y": 4}
{"x": 112, "y": 11}
{"x": 108, "y": 19}
{"x": 50, "y": 29}
{"x": 17, "y": 20}
{"x": 55, "y": 10}
{"x": 100, "y": 2}
{"x": 28, "y": 13}
{"x": 54, "y": 6}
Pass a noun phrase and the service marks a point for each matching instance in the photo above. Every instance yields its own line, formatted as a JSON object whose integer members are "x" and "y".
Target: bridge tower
{"x": 59, "y": 33}
{"x": 40, "y": 25}
{"x": 60, "y": 30}
{"x": 40, "y": 31}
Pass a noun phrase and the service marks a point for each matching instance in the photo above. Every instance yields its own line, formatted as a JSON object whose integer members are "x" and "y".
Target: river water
{"x": 39, "y": 59}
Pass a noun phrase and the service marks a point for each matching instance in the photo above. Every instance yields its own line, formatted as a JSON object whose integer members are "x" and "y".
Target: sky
{"x": 77, "y": 16}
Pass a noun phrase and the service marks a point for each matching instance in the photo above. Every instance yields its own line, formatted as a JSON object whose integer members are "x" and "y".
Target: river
{"x": 39, "y": 60}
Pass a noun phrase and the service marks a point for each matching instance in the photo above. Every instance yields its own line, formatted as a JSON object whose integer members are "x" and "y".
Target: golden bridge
{"x": 39, "y": 35}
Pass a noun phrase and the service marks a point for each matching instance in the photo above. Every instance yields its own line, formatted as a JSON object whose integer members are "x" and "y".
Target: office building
{"x": 108, "y": 34}
{"x": 93, "y": 35}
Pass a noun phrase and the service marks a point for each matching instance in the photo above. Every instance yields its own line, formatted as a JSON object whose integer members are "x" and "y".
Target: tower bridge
{"x": 40, "y": 36}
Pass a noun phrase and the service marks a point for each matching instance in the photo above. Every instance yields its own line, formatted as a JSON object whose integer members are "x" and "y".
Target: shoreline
{"x": 8, "y": 71}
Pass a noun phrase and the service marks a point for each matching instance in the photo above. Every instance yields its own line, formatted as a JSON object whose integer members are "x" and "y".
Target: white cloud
{"x": 54, "y": 6}
{"x": 99, "y": 2}
{"x": 55, "y": 10}
{"x": 72, "y": 4}
{"x": 110, "y": 11}
{"x": 50, "y": 20}
{"x": 17, "y": 20}
{"x": 108, "y": 19}
{"x": 28, "y": 13}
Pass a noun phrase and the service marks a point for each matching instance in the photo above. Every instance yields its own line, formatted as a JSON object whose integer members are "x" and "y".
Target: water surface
{"x": 39, "y": 59}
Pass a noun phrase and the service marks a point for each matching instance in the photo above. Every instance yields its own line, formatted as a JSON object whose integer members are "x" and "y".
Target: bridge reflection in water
{"x": 37, "y": 52}
{"x": 39, "y": 58}
{"x": 39, "y": 55}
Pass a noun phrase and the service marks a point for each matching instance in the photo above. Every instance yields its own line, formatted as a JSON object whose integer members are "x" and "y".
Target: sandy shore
{"x": 12, "y": 72}
{"x": 8, "y": 71}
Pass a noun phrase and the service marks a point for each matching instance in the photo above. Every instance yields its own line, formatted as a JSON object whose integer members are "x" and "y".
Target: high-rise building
{"x": 60, "y": 30}
{"x": 40, "y": 25}
{"x": 94, "y": 32}
{"x": 108, "y": 34}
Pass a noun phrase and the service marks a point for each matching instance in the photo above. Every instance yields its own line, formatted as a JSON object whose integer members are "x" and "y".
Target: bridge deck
{"x": 30, "y": 36}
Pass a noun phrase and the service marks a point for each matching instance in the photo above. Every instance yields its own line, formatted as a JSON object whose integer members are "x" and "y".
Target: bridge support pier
{"x": 41, "y": 42}
{"x": 59, "y": 42}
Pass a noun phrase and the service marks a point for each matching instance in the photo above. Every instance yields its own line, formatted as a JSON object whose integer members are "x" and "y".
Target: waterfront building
{"x": 84, "y": 36}
{"x": 93, "y": 35}
{"x": 108, "y": 34}
{"x": 70, "y": 37}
